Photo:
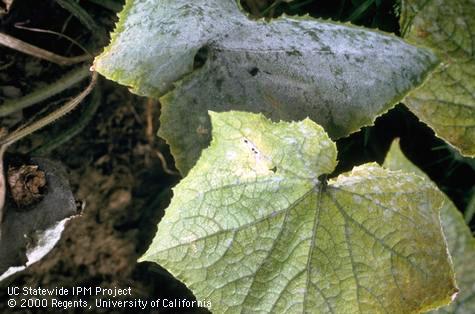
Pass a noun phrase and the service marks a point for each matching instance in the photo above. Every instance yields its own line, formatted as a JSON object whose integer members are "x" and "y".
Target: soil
{"x": 113, "y": 165}
{"x": 116, "y": 173}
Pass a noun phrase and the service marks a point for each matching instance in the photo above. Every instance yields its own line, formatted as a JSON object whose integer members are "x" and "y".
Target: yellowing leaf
{"x": 255, "y": 227}
{"x": 460, "y": 240}
{"x": 446, "y": 102}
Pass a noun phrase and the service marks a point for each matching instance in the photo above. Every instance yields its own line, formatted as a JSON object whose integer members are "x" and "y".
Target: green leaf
{"x": 460, "y": 241}
{"x": 254, "y": 227}
{"x": 446, "y": 102}
{"x": 208, "y": 55}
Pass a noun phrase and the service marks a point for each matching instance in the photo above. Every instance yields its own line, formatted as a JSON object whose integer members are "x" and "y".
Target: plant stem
{"x": 35, "y": 126}
{"x": 25, "y": 130}
{"x": 360, "y": 10}
{"x": 78, "y": 126}
{"x": 269, "y": 12}
{"x": 39, "y": 30}
{"x": 75, "y": 9}
{"x": 19, "y": 45}
{"x": 65, "y": 82}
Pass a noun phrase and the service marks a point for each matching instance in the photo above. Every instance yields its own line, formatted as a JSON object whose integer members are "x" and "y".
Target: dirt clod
{"x": 120, "y": 199}
{"x": 27, "y": 184}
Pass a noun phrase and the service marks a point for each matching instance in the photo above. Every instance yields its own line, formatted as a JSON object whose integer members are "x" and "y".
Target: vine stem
{"x": 25, "y": 130}
{"x": 85, "y": 117}
{"x": 70, "y": 79}
{"x": 46, "y": 31}
{"x": 19, "y": 45}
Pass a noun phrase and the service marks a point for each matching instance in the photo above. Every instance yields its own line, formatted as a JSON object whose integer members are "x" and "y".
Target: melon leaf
{"x": 208, "y": 55}
{"x": 256, "y": 227}
{"x": 446, "y": 102}
{"x": 460, "y": 240}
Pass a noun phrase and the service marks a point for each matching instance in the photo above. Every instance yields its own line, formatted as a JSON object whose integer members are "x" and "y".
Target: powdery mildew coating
{"x": 341, "y": 76}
